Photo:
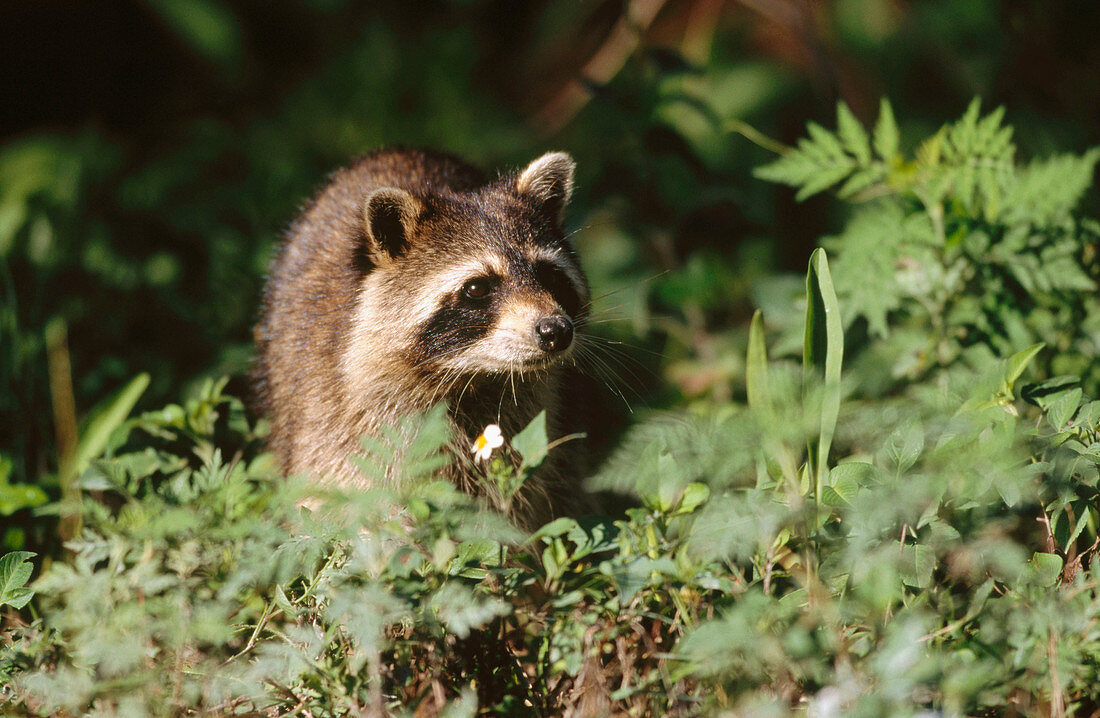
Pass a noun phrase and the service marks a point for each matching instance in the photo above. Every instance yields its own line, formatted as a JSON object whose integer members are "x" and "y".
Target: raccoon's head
{"x": 478, "y": 282}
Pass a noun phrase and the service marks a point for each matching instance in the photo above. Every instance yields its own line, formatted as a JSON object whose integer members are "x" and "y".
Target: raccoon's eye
{"x": 477, "y": 288}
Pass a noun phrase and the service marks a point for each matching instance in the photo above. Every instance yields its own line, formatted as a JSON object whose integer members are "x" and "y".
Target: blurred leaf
{"x": 1016, "y": 365}
{"x": 852, "y": 134}
{"x": 1048, "y": 566}
{"x": 207, "y": 25}
{"x": 886, "y": 132}
{"x": 756, "y": 368}
{"x": 103, "y": 420}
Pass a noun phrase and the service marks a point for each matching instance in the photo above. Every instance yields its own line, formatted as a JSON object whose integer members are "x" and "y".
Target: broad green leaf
{"x": 531, "y": 442}
{"x": 1017, "y": 363}
{"x": 15, "y": 571}
{"x": 924, "y": 563}
{"x": 283, "y": 602}
{"x": 830, "y": 497}
{"x": 904, "y": 446}
{"x": 1047, "y": 566}
{"x": 845, "y": 479}
{"x": 1062, "y": 410}
{"x": 557, "y": 527}
{"x": 694, "y": 495}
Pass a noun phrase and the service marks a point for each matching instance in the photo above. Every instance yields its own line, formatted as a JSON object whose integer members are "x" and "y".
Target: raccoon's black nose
{"x": 554, "y": 333}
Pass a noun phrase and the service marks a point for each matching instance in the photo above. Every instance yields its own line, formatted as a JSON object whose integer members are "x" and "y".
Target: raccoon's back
{"x": 311, "y": 293}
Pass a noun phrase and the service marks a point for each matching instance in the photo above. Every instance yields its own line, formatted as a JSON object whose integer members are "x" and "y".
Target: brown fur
{"x": 337, "y": 350}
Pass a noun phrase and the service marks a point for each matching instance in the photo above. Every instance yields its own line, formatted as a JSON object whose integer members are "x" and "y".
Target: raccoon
{"x": 412, "y": 280}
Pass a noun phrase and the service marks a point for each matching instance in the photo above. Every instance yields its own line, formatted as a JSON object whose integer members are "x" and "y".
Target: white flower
{"x": 490, "y": 439}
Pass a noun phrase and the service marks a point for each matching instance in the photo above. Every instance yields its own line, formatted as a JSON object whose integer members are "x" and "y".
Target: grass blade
{"x": 822, "y": 356}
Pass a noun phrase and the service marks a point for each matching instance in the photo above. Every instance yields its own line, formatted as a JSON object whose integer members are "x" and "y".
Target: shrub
{"x": 914, "y": 536}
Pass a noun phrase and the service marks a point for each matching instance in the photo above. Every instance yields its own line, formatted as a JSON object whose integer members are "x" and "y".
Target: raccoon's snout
{"x": 554, "y": 334}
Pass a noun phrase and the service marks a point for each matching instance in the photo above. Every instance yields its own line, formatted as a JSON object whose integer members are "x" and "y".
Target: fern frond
{"x": 825, "y": 159}
{"x": 1046, "y": 191}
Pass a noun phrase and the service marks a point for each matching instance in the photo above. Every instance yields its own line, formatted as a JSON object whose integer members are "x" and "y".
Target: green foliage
{"x": 959, "y": 252}
{"x": 14, "y": 497}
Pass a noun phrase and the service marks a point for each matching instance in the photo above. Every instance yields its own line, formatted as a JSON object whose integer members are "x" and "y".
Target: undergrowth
{"x": 901, "y": 519}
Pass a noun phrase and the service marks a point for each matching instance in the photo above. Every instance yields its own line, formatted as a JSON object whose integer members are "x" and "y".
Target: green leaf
{"x": 867, "y": 253}
{"x": 886, "y": 132}
{"x": 1046, "y": 191}
{"x": 1062, "y": 409}
{"x": 557, "y": 527}
{"x": 904, "y": 446}
{"x": 756, "y": 368}
{"x": 107, "y": 417}
{"x": 923, "y": 562}
{"x": 694, "y": 495}
{"x": 1016, "y": 364}
{"x": 531, "y": 442}
{"x": 461, "y": 610}
{"x": 822, "y": 356}
{"x": 1047, "y": 566}
{"x": 14, "y": 497}
{"x": 845, "y": 480}
{"x": 852, "y": 134}
{"x": 15, "y": 571}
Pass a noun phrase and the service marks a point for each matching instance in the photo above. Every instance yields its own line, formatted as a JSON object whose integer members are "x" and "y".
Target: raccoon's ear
{"x": 389, "y": 217}
{"x": 550, "y": 180}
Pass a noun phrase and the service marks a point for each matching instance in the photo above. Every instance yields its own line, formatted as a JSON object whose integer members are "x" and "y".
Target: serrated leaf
{"x": 15, "y": 571}
{"x": 867, "y": 253}
{"x": 824, "y": 178}
{"x": 859, "y": 181}
{"x": 852, "y": 134}
{"x": 885, "y": 135}
{"x": 461, "y": 610}
{"x": 824, "y": 141}
{"x": 1043, "y": 193}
